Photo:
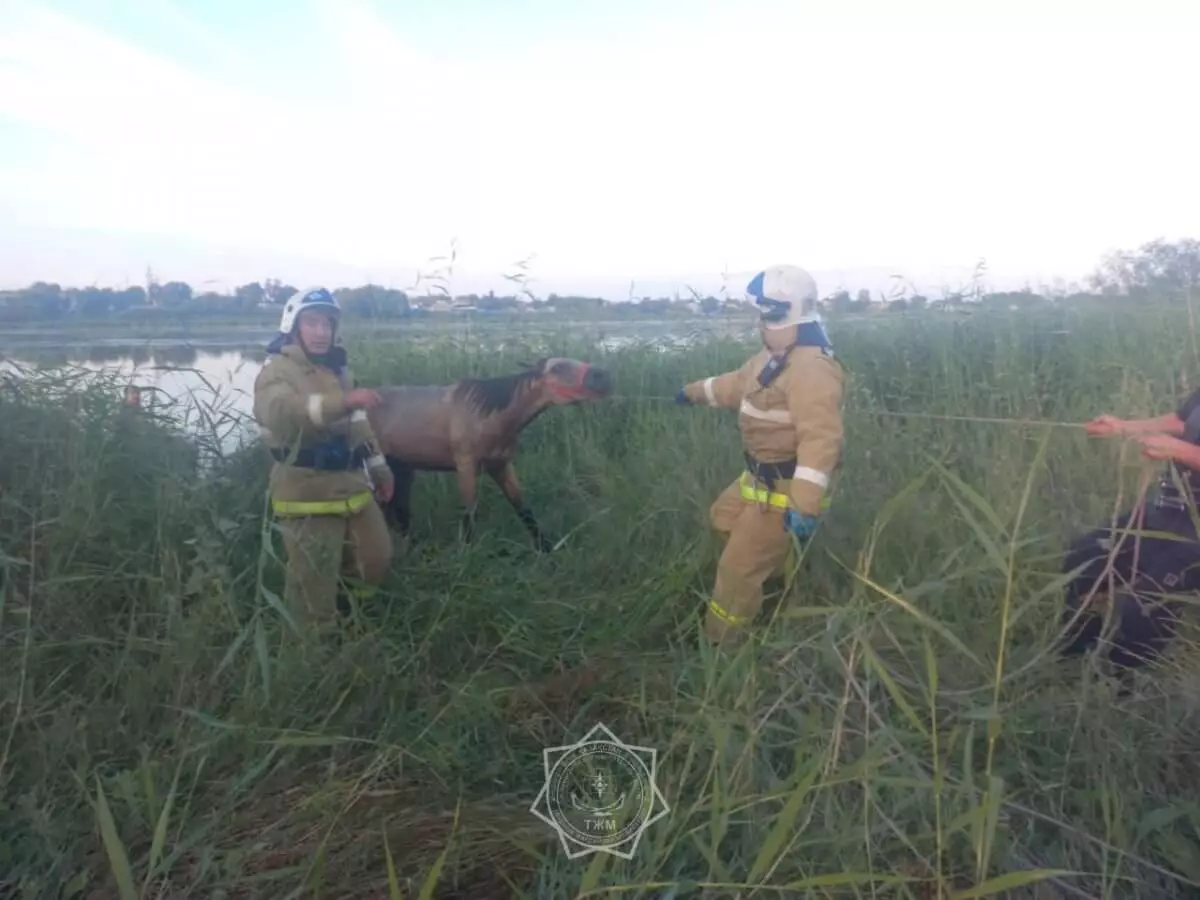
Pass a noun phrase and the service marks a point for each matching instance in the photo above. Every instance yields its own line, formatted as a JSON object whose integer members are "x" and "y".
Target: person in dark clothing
{"x": 1144, "y": 621}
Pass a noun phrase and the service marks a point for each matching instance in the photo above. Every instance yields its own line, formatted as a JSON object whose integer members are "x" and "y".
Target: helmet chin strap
{"x": 779, "y": 340}
{"x": 805, "y": 334}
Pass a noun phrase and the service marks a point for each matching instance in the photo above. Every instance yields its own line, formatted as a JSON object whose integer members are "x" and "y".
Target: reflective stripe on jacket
{"x": 797, "y": 416}
{"x": 296, "y": 400}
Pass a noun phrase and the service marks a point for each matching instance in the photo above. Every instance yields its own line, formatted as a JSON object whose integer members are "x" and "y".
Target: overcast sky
{"x": 659, "y": 141}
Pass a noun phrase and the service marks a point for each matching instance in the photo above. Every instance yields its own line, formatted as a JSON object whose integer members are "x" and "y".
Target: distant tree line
{"x": 43, "y": 301}
{"x": 1158, "y": 269}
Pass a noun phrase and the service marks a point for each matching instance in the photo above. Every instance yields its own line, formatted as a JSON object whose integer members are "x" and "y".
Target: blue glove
{"x": 682, "y": 398}
{"x": 802, "y": 527}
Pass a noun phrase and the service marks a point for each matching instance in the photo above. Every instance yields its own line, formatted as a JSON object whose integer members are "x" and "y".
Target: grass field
{"x": 900, "y": 731}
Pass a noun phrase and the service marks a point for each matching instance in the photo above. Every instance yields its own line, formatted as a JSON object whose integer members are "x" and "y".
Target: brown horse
{"x": 473, "y": 424}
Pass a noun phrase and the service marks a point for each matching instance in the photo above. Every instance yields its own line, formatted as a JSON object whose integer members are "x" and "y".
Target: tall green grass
{"x": 900, "y": 730}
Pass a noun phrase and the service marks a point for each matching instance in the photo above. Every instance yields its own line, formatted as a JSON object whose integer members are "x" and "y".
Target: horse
{"x": 471, "y": 425}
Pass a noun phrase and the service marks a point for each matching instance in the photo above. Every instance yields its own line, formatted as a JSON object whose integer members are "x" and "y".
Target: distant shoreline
{"x": 222, "y": 335}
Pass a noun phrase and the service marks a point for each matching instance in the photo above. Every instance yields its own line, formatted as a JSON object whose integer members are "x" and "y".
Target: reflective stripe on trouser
{"x": 348, "y": 506}
{"x": 778, "y": 499}
{"x": 757, "y": 547}
{"x": 321, "y": 547}
{"x": 354, "y": 594}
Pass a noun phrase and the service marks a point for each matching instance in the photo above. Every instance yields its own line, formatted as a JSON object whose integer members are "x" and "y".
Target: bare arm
{"x": 1173, "y": 423}
{"x": 1168, "y": 424}
{"x": 1187, "y": 454}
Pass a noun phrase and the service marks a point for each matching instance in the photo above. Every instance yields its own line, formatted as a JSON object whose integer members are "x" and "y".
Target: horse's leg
{"x": 398, "y": 511}
{"x": 506, "y": 477}
{"x": 468, "y": 489}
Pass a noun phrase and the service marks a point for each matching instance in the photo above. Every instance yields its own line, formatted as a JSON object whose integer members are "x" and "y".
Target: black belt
{"x": 1170, "y": 502}
{"x": 770, "y": 472}
{"x": 1168, "y": 496}
{"x": 324, "y": 457}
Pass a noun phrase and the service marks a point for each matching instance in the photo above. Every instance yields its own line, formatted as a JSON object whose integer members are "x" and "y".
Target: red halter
{"x": 574, "y": 391}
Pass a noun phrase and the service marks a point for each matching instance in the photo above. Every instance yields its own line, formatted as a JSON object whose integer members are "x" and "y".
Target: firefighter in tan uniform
{"x": 327, "y": 460}
{"x": 788, "y": 396}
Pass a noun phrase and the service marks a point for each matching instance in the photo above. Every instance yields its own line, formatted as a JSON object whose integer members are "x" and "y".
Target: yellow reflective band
{"x": 727, "y": 616}
{"x": 761, "y": 495}
{"x": 774, "y": 498}
{"x": 322, "y": 507}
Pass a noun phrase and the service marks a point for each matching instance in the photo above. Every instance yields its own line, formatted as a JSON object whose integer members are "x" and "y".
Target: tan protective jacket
{"x": 297, "y": 400}
{"x": 798, "y": 416}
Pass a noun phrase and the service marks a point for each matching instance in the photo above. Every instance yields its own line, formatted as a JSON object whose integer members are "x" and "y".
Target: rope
{"x": 986, "y": 420}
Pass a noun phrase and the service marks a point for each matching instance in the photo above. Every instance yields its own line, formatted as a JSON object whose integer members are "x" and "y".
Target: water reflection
{"x": 135, "y": 356}
{"x": 210, "y": 392}
{"x": 210, "y": 388}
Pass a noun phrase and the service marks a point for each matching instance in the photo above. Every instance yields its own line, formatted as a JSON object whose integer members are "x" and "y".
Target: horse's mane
{"x": 491, "y": 395}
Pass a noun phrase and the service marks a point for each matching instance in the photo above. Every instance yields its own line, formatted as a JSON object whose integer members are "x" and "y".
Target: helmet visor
{"x": 319, "y": 297}
{"x": 772, "y": 310}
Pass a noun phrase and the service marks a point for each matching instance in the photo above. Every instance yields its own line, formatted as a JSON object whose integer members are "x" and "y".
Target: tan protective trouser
{"x": 321, "y": 548}
{"x": 756, "y": 547}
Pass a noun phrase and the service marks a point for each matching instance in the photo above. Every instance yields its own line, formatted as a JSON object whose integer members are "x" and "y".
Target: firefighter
{"x": 788, "y": 396}
{"x": 1142, "y": 566}
{"x": 327, "y": 460}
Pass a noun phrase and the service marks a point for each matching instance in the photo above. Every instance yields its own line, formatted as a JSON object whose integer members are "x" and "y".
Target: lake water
{"x": 202, "y": 379}
{"x": 208, "y": 391}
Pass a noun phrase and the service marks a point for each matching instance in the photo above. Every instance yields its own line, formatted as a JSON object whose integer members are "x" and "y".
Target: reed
{"x": 900, "y": 731}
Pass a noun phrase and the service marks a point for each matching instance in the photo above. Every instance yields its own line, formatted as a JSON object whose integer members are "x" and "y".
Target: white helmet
{"x": 313, "y": 298}
{"x": 785, "y": 295}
